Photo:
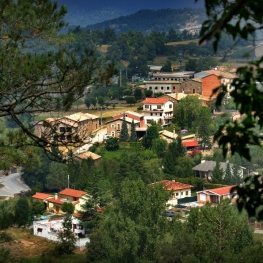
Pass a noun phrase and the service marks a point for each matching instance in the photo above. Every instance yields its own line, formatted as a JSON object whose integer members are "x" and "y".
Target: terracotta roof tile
{"x": 222, "y": 190}
{"x": 41, "y": 196}
{"x": 72, "y": 192}
{"x": 155, "y": 100}
{"x": 190, "y": 144}
{"x": 172, "y": 185}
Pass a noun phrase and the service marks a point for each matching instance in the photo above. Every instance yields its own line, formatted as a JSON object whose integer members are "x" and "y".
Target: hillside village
{"x": 110, "y": 148}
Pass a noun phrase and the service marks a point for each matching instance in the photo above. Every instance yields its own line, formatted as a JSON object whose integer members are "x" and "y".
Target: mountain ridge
{"x": 159, "y": 20}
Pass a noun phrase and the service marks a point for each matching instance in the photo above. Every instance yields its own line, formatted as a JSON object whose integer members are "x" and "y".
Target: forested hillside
{"x": 159, "y": 20}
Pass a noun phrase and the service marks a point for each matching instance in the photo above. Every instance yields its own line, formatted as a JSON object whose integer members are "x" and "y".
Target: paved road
{"x": 12, "y": 185}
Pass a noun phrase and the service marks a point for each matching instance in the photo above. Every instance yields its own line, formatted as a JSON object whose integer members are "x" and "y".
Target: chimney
{"x": 56, "y": 196}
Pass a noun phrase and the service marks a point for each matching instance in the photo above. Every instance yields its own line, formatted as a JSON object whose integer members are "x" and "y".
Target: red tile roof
{"x": 155, "y": 100}
{"x": 172, "y": 185}
{"x": 72, "y": 192}
{"x": 56, "y": 201}
{"x": 41, "y": 196}
{"x": 222, "y": 190}
{"x": 191, "y": 144}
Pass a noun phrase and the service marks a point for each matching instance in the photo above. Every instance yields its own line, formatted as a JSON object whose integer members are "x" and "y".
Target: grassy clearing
{"x": 28, "y": 247}
{"x": 82, "y": 108}
{"x": 185, "y": 42}
{"x": 103, "y": 48}
{"x": 258, "y": 238}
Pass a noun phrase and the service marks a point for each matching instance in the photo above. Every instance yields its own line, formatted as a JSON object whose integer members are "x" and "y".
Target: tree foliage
{"x": 112, "y": 144}
{"x": 66, "y": 237}
{"x": 239, "y": 19}
{"x": 124, "y": 136}
{"x": 170, "y": 160}
{"x": 36, "y": 82}
{"x": 187, "y": 112}
{"x": 133, "y": 136}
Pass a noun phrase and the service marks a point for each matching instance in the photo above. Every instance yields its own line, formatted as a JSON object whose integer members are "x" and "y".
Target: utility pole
{"x": 68, "y": 180}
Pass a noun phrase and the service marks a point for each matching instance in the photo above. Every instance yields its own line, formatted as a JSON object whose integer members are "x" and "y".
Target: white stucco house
{"x": 159, "y": 110}
{"x": 178, "y": 191}
{"x": 50, "y": 228}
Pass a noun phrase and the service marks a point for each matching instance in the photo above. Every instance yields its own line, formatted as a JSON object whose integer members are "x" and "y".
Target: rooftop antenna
{"x": 180, "y": 60}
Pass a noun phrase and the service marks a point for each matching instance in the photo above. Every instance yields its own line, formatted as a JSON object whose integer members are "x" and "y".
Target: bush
{"x": 112, "y": 144}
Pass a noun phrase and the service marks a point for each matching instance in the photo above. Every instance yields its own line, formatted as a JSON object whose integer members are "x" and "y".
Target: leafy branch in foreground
{"x": 33, "y": 83}
{"x": 240, "y": 19}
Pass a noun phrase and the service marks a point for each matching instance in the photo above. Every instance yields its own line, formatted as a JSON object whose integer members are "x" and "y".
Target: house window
{"x": 168, "y": 88}
{"x": 151, "y": 114}
{"x": 170, "y": 106}
{"x": 161, "y": 114}
{"x": 186, "y": 193}
{"x": 150, "y": 88}
{"x": 113, "y": 134}
{"x": 68, "y": 129}
{"x": 161, "y": 88}
{"x": 193, "y": 91}
{"x": 177, "y": 194}
{"x": 146, "y": 106}
{"x": 159, "y": 107}
{"x": 112, "y": 126}
{"x": 182, "y": 193}
{"x": 156, "y": 87}
{"x": 39, "y": 230}
{"x": 156, "y": 114}
{"x": 62, "y": 129}
{"x": 119, "y": 125}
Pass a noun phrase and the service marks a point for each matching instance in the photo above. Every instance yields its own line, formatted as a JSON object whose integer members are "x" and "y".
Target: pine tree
{"x": 217, "y": 174}
{"x": 204, "y": 129}
{"x": 228, "y": 178}
{"x": 124, "y": 136}
{"x": 133, "y": 137}
{"x": 66, "y": 236}
{"x": 175, "y": 150}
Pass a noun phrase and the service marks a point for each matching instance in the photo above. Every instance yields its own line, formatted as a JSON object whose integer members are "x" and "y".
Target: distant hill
{"x": 158, "y": 20}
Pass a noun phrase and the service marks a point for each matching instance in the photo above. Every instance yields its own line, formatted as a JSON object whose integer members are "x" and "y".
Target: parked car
{"x": 168, "y": 213}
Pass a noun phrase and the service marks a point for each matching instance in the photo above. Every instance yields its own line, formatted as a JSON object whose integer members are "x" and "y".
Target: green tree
{"x": 37, "y": 207}
{"x": 68, "y": 208}
{"x": 187, "y": 112}
{"x": 87, "y": 102}
{"x": 93, "y": 101}
{"x": 217, "y": 174}
{"x": 137, "y": 93}
{"x": 204, "y": 128}
{"x": 22, "y": 211}
{"x": 159, "y": 146}
{"x": 170, "y": 160}
{"x": 57, "y": 176}
{"x": 214, "y": 243}
{"x": 101, "y": 101}
{"x": 133, "y": 215}
{"x": 112, "y": 144}
{"x": 5, "y": 256}
{"x": 42, "y": 81}
{"x": 151, "y": 134}
{"x": 133, "y": 137}
{"x": 130, "y": 100}
{"x": 167, "y": 67}
{"x": 124, "y": 136}
{"x": 148, "y": 93}
{"x": 66, "y": 237}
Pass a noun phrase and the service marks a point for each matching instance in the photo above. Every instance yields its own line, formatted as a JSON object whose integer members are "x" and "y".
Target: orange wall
{"x": 208, "y": 84}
